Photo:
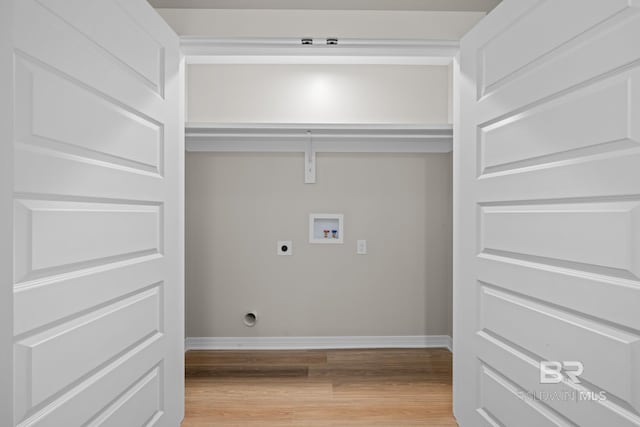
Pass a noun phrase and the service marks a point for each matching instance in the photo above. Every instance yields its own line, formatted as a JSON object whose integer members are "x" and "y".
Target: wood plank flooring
{"x": 324, "y": 388}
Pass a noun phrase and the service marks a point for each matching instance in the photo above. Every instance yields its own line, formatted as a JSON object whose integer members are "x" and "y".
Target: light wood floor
{"x": 319, "y": 388}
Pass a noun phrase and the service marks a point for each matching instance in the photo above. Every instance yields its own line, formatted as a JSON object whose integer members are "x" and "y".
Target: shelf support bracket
{"x": 309, "y": 160}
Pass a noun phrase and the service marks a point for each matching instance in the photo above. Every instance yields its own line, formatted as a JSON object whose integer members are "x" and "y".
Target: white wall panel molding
{"x": 212, "y": 50}
{"x": 301, "y": 343}
{"x": 325, "y": 138}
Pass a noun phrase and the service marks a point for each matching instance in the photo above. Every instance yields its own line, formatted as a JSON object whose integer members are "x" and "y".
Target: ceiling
{"x": 426, "y": 5}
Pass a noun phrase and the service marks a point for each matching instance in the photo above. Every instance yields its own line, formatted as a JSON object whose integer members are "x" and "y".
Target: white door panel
{"x": 131, "y": 45}
{"x": 139, "y": 406}
{"x": 49, "y": 106}
{"x": 547, "y": 263}
{"x": 496, "y": 390}
{"x": 523, "y": 45}
{"x": 569, "y": 67}
{"x": 52, "y": 366}
{"x": 96, "y": 396}
{"x": 96, "y": 213}
{"x": 604, "y": 125}
{"x": 521, "y": 370}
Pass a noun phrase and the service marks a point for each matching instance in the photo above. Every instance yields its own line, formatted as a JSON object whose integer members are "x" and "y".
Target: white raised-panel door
{"x": 96, "y": 211}
{"x": 547, "y": 259}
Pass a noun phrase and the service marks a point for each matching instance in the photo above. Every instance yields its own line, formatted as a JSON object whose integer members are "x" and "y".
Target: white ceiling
{"x": 433, "y": 5}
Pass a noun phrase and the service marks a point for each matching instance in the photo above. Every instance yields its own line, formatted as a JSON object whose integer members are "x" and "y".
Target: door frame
{"x": 289, "y": 51}
{"x": 200, "y": 51}
{"x": 6, "y": 213}
{"x": 266, "y": 50}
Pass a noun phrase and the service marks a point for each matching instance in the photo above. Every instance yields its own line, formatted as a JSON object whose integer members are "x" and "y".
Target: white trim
{"x": 364, "y": 5}
{"x": 317, "y": 343}
{"x": 212, "y": 50}
{"x": 326, "y": 138}
{"x": 7, "y": 166}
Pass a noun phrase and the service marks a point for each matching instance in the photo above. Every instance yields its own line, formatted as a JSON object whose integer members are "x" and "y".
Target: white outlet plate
{"x": 282, "y": 244}
{"x": 361, "y": 248}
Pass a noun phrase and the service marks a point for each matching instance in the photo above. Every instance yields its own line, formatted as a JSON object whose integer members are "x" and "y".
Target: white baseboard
{"x": 317, "y": 343}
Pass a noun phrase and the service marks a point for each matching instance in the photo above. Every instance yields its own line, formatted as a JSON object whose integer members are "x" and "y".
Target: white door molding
{"x": 211, "y": 50}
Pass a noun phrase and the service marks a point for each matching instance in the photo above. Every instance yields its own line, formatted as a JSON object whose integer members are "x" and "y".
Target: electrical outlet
{"x": 285, "y": 247}
{"x": 361, "y": 248}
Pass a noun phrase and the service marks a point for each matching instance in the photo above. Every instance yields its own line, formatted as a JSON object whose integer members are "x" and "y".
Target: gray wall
{"x": 374, "y": 24}
{"x": 239, "y": 205}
